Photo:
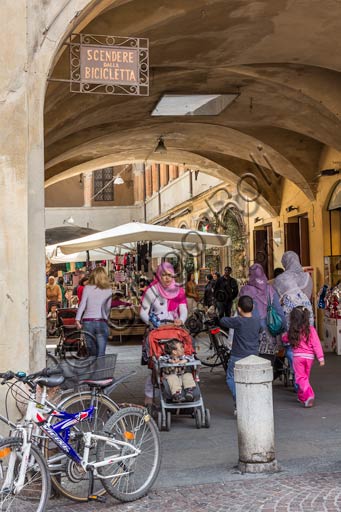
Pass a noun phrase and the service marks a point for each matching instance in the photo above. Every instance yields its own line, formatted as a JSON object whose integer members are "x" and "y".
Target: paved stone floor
{"x": 198, "y": 470}
{"x": 316, "y": 492}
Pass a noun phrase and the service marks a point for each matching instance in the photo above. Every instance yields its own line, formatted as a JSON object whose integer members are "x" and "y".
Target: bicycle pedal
{"x": 94, "y": 497}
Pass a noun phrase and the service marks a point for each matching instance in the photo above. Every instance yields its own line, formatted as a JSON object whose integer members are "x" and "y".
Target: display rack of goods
{"x": 333, "y": 302}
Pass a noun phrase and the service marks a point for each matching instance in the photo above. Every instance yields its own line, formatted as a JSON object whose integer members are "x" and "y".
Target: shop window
{"x": 103, "y": 184}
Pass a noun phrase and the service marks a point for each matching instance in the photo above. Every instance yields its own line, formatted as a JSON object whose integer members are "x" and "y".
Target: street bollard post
{"x": 255, "y": 420}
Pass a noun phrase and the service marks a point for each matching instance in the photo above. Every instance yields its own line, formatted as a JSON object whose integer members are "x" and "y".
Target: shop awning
{"x": 139, "y": 232}
{"x": 61, "y": 234}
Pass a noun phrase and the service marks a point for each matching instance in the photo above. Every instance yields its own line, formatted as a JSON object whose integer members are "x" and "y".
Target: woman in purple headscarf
{"x": 164, "y": 299}
{"x": 260, "y": 291}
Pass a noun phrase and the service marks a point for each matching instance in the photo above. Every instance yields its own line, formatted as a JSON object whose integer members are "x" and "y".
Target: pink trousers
{"x": 302, "y": 369}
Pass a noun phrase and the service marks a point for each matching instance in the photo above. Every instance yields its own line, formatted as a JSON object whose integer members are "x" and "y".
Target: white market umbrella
{"x": 54, "y": 255}
{"x": 139, "y": 232}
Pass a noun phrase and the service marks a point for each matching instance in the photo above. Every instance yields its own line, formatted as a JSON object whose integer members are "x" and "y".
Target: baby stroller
{"x": 282, "y": 369}
{"x": 71, "y": 339}
{"x": 156, "y": 341}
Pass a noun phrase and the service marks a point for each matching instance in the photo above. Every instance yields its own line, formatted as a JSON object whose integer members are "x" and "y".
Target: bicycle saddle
{"x": 51, "y": 382}
{"x": 102, "y": 383}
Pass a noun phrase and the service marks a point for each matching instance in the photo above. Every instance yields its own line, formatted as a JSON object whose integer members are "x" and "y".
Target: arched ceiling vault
{"x": 198, "y": 162}
{"x": 280, "y": 56}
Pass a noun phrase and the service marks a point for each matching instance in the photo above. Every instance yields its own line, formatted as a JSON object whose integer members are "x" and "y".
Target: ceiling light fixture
{"x": 161, "y": 147}
{"x": 257, "y": 219}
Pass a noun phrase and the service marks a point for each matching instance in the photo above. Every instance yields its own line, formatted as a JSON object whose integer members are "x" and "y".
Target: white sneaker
{"x": 309, "y": 402}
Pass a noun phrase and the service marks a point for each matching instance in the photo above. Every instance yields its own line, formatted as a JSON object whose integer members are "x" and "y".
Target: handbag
{"x": 273, "y": 319}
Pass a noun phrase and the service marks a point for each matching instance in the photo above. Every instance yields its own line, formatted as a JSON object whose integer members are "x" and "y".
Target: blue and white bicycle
{"x": 124, "y": 457}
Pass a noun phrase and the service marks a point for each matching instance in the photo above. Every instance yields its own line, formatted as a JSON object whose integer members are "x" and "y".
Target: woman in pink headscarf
{"x": 164, "y": 300}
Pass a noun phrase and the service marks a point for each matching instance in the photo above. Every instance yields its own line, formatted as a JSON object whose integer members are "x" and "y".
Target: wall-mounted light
{"x": 291, "y": 208}
{"x": 329, "y": 172}
{"x": 257, "y": 219}
{"x": 161, "y": 147}
{"x": 118, "y": 181}
{"x": 69, "y": 220}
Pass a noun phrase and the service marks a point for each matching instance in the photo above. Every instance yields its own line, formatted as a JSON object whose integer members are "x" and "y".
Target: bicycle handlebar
{"x": 22, "y": 376}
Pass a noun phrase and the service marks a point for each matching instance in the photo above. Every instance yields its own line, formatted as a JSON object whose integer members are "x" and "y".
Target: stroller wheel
{"x": 207, "y": 422}
{"x": 168, "y": 420}
{"x": 198, "y": 418}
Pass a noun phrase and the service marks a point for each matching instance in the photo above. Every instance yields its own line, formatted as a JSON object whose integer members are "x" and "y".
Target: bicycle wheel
{"x": 133, "y": 476}
{"x": 224, "y": 347}
{"x": 36, "y": 489}
{"x": 207, "y": 352}
{"x": 66, "y": 476}
{"x": 51, "y": 360}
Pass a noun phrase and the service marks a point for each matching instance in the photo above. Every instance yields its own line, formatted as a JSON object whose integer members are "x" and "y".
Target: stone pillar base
{"x": 258, "y": 467}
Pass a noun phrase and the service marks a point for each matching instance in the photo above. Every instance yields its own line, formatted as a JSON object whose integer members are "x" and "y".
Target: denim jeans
{"x": 97, "y": 338}
{"x": 290, "y": 357}
{"x": 230, "y": 375}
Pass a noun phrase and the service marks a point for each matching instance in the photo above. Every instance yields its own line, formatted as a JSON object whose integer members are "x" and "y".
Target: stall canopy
{"x": 55, "y": 256}
{"x": 139, "y": 232}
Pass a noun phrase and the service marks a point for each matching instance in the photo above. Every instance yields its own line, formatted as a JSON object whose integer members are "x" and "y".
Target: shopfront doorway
{"x": 296, "y": 238}
{"x": 263, "y": 248}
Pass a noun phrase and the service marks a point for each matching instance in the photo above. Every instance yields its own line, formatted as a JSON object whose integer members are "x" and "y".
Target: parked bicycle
{"x": 91, "y": 383}
{"x": 125, "y": 457}
{"x": 214, "y": 349}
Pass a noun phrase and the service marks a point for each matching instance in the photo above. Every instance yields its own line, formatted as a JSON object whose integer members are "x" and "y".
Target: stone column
{"x": 163, "y": 175}
{"x": 148, "y": 181}
{"x": 182, "y": 170}
{"x": 172, "y": 172}
{"x": 22, "y": 234}
{"x": 138, "y": 175}
{"x": 256, "y": 438}
{"x": 155, "y": 179}
{"x": 87, "y": 189}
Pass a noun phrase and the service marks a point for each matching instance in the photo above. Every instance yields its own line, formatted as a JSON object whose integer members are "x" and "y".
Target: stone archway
{"x": 29, "y": 56}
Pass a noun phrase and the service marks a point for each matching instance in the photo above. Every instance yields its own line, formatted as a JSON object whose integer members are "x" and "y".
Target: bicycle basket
{"x": 87, "y": 368}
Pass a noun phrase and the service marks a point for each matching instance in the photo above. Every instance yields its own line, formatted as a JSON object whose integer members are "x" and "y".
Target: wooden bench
{"x": 126, "y": 322}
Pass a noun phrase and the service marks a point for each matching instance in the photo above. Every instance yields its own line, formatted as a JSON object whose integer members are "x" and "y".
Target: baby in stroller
{"x": 179, "y": 378}
{"x": 175, "y": 375}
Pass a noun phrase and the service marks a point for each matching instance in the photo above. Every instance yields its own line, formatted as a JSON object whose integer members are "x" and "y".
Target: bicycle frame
{"x": 59, "y": 434}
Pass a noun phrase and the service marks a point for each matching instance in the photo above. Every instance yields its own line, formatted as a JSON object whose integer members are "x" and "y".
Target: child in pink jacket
{"x": 306, "y": 345}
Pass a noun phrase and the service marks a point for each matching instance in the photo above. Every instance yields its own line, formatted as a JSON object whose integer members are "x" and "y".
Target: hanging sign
{"x": 109, "y": 65}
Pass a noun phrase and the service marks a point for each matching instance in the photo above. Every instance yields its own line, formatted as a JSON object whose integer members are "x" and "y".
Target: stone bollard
{"x": 255, "y": 421}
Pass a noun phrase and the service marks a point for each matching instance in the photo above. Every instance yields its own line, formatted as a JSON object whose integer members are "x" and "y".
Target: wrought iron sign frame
{"x": 79, "y": 84}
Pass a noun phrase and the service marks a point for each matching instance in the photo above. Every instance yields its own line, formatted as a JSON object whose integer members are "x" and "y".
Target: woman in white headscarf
{"x": 294, "y": 287}
{"x": 295, "y": 274}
